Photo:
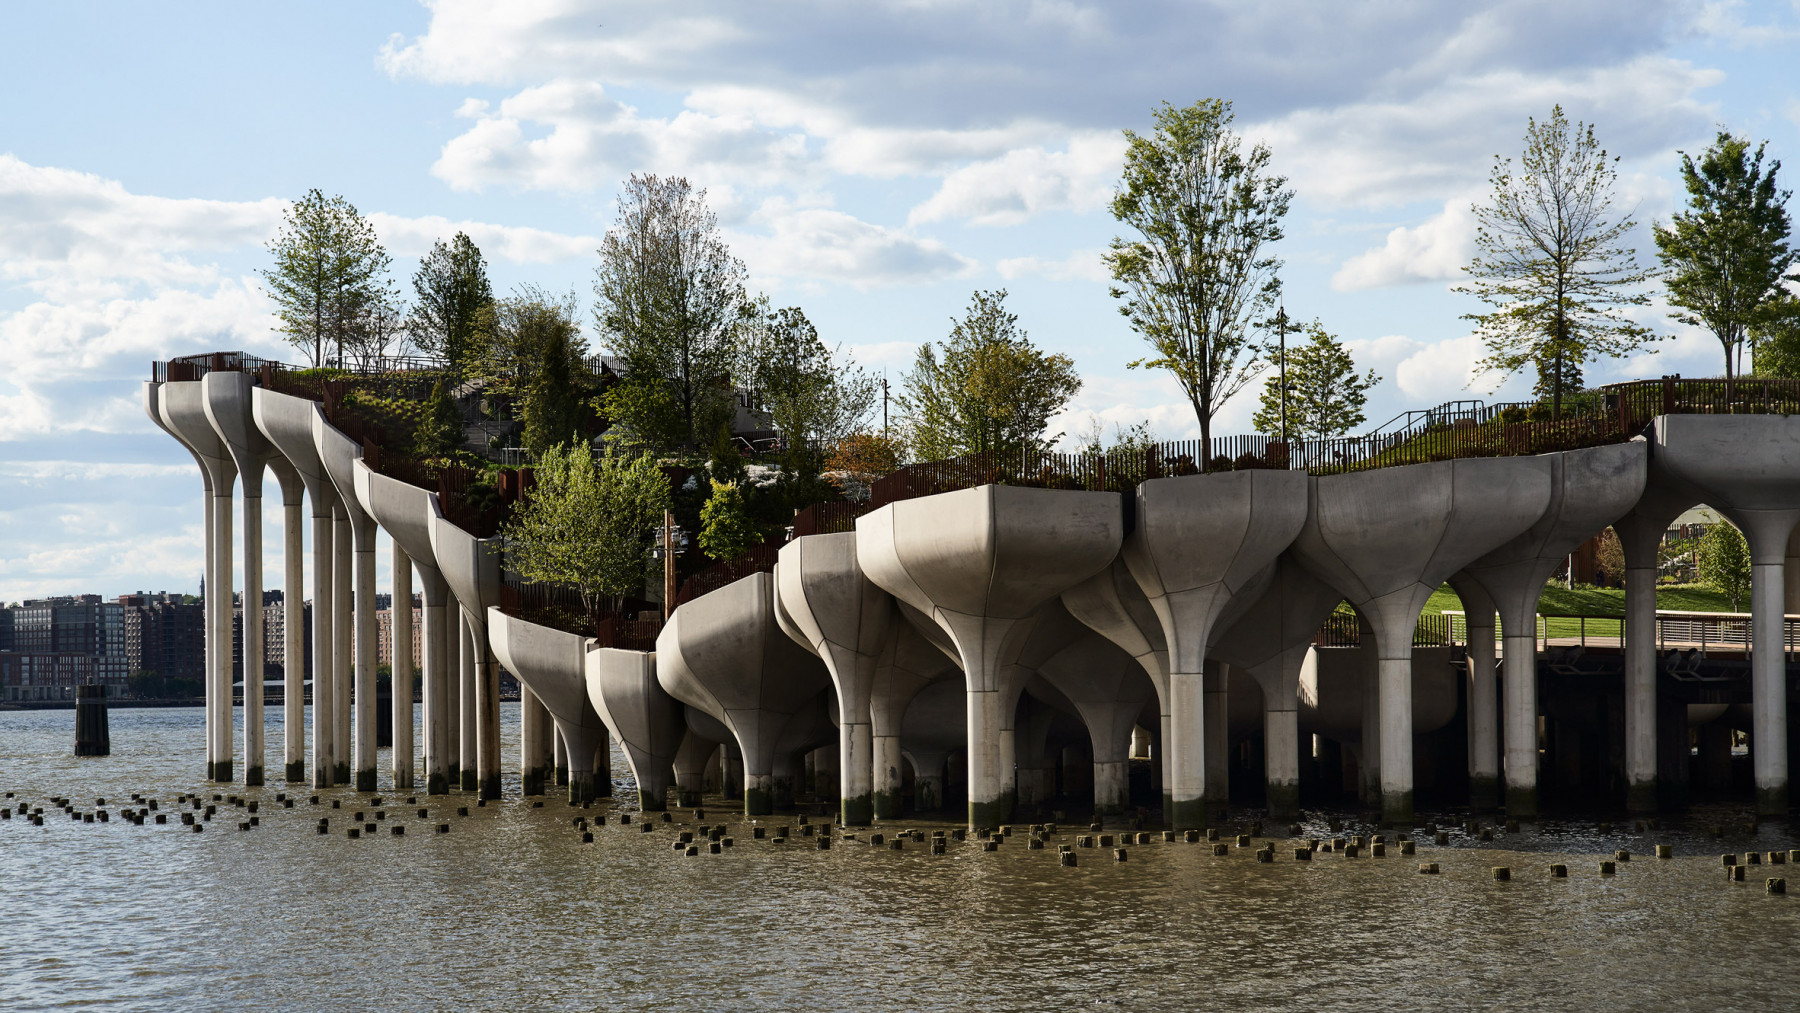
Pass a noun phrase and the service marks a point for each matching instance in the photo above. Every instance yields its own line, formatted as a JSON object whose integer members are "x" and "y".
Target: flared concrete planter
{"x": 841, "y": 616}
{"x": 339, "y": 454}
{"x": 1200, "y": 541}
{"x": 1269, "y": 642}
{"x": 724, "y": 654}
{"x": 1386, "y": 540}
{"x": 553, "y": 665}
{"x": 471, "y": 568}
{"x": 622, "y": 688}
{"x": 980, "y": 562}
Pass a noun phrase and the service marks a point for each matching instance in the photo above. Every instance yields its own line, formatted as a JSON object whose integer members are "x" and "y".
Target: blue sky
{"x": 872, "y": 163}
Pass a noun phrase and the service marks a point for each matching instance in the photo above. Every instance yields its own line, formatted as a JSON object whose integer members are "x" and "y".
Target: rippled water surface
{"x": 511, "y": 911}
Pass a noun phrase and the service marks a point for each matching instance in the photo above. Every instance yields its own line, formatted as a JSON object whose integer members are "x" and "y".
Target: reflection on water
{"x": 511, "y": 911}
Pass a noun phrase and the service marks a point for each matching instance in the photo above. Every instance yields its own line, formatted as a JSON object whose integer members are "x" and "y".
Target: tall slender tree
{"x": 1551, "y": 261}
{"x": 450, "y": 289}
{"x": 1198, "y": 279}
{"x": 1325, "y": 392}
{"x": 1726, "y": 257}
{"x": 330, "y": 268}
{"x": 815, "y": 394}
{"x": 669, "y": 302}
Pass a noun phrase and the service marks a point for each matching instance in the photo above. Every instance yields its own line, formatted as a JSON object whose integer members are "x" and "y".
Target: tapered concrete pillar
{"x": 931, "y": 730}
{"x": 840, "y": 615}
{"x": 536, "y": 769}
{"x": 1269, "y": 641}
{"x": 400, "y": 621}
{"x": 293, "y": 620}
{"x": 154, "y": 406}
{"x": 647, "y": 722}
{"x": 1484, "y": 706}
{"x": 723, "y": 654}
{"x": 288, "y": 423}
{"x": 1640, "y": 536}
{"x": 341, "y": 457}
{"x": 453, "y": 637}
{"x": 1386, "y": 540}
{"x": 553, "y": 666}
{"x": 439, "y": 718}
{"x": 1589, "y": 489}
{"x": 487, "y": 713}
{"x": 343, "y": 643}
{"x": 980, "y": 562}
{"x": 1216, "y": 741}
{"x": 466, "y": 707}
{"x": 1111, "y": 604}
{"x": 471, "y": 568}
{"x": 560, "y": 753}
{"x": 689, "y": 768}
{"x": 1036, "y": 769}
{"x": 917, "y": 654}
{"x": 1108, "y": 689}
{"x": 1200, "y": 540}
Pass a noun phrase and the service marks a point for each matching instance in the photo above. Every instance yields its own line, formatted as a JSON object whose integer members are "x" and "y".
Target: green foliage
{"x": 439, "y": 432}
{"x": 451, "y": 288}
{"x": 987, "y": 389}
{"x": 1197, "y": 281}
{"x": 587, "y": 522}
{"x": 552, "y": 413}
{"x": 726, "y": 528}
{"x": 1325, "y": 393}
{"x": 329, "y": 282}
{"x": 669, "y": 303}
{"x": 514, "y": 337}
{"x": 1722, "y": 559}
{"x": 1726, "y": 256}
{"x": 816, "y": 395}
{"x": 1775, "y": 340}
{"x": 1550, "y": 263}
{"x": 726, "y": 464}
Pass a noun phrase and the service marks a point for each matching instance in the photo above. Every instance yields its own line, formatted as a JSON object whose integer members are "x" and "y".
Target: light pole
{"x": 670, "y": 540}
{"x": 1281, "y": 329}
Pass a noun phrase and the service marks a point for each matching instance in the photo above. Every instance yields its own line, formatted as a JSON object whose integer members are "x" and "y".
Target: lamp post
{"x": 670, "y": 540}
{"x": 1281, "y": 329}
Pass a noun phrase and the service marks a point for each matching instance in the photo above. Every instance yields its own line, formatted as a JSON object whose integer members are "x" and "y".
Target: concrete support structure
{"x": 560, "y": 756}
{"x": 553, "y": 667}
{"x": 400, "y": 619}
{"x": 648, "y": 722}
{"x": 154, "y": 398}
{"x": 293, "y": 619}
{"x": 537, "y": 753}
{"x": 1113, "y": 605}
{"x": 1589, "y": 489}
{"x": 1108, "y": 689}
{"x": 227, "y": 401}
{"x": 1640, "y": 536}
{"x": 343, "y": 658}
{"x": 690, "y": 765}
{"x": 1386, "y": 540}
{"x": 466, "y": 745}
{"x": 1200, "y": 540}
{"x": 909, "y": 662}
{"x": 841, "y": 616}
{"x": 1484, "y": 705}
{"x": 980, "y": 562}
{"x": 342, "y": 458}
{"x": 723, "y": 654}
{"x": 1216, "y": 740}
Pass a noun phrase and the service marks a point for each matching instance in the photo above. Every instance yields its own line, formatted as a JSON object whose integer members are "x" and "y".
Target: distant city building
{"x": 164, "y": 635}
{"x": 52, "y": 645}
{"x": 384, "y": 631}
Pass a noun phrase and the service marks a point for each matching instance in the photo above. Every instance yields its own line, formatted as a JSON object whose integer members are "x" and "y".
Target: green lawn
{"x": 1602, "y": 606}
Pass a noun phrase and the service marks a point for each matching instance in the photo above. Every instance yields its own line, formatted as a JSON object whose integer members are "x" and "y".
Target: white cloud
{"x": 1436, "y": 249}
{"x": 515, "y": 243}
{"x": 1443, "y": 371}
{"x": 1082, "y": 265}
{"x": 823, "y": 245}
{"x": 1723, "y": 20}
{"x": 1027, "y": 182}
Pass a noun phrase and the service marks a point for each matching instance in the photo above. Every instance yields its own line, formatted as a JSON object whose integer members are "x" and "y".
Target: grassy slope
{"x": 1601, "y": 602}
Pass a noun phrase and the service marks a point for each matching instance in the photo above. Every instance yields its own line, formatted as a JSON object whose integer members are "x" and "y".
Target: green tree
{"x": 987, "y": 389}
{"x": 725, "y": 464}
{"x": 439, "y": 433}
{"x": 1325, "y": 393}
{"x": 1726, "y": 256}
{"x": 587, "y": 523}
{"x": 1198, "y": 281}
{"x": 669, "y": 302}
{"x": 1722, "y": 560}
{"x": 1775, "y": 340}
{"x": 1550, "y": 261}
{"x": 726, "y": 528}
{"x": 815, "y": 394}
{"x": 553, "y": 404}
{"x": 514, "y": 337}
{"x": 450, "y": 289}
{"x": 330, "y": 271}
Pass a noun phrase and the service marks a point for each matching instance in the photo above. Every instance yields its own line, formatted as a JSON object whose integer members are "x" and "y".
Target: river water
{"x": 511, "y": 911}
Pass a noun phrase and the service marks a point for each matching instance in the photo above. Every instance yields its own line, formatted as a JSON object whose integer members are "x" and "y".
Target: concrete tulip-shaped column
{"x": 1386, "y": 540}
{"x": 1640, "y": 536}
{"x": 1200, "y": 540}
{"x": 553, "y": 666}
{"x": 980, "y": 562}
{"x": 340, "y": 455}
{"x": 707, "y": 738}
{"x": 1269, "y": 642}
{"x": 723, "y": 654}
{"x": 183, "y": 410}
{"x": 1484, "y": 705}
{"x": 471, "y": 568}
{"x": 153, "y": 407}
{"x": 846, "y": 620}
{"x": 1111, "y": 604}
{"x": 293, "y": 617}
{"x": 400, "y": 620}
{"x": 227, "y": 398}
{"x": 909, "y": 662}
{"x": 933, "y": 727}
{"x": 647, "y": 722}
{"x": 287, "y": 423}
{"x": 1749, "y": 467}
{"x": 1109, "y": 689}
{"x": 537, "y": 739}
{"x": 1589, "y": 489}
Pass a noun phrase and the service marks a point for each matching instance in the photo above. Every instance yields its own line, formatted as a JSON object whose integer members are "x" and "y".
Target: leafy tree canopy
{"x": 587, "y": 523}
{"x": 1326, "y": 394}
{"x": 329, "y": 281}
{"x": 450, "y": 290}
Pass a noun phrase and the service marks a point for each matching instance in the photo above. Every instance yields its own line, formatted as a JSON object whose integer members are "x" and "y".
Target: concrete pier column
{"x": 559, "y": 756}
{"x": 1109, "y": 691}
{"x": 1217, "y": 740}
{"x": 1036, "y": 776}
{"x": 1640, "y": 536}
{"x": 434, "y": 637}
{"x": 1768, "y": 532}
{"x": 453, "y": 694}
{"x": 928, "y": 780}
{"x": 980, "y": 562}
{"x": 466, "y": 706}
{"x": 917, "y": 654}
{"x": 1113, "y": 605}
{"x": 1281, "y": 753}
{"x": 400, "y": 620}
{"x": 293, "y": 621}
{"x": 534, "y": 725}
{"x": 219, "y": 632}
{"x": 649, "y": 724}
{"x": 158, "y": 399}
{"x": 343, "y": 657}
{"x": 487, "y": 715}
{"x": 363, "y": 614}
{"x": 1387, "y": 539}
{"x": 1200, "y": 541}
{"x": 689, "y": 769}
{"x": 1482, "y": 693}
{"x": 255, "y": 752}
{"x": 324, "y": 644}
